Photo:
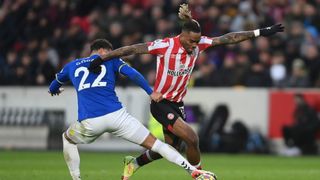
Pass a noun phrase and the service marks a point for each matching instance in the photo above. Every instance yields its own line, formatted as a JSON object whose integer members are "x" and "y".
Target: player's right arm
{"x": 141, "y": 48}
{"x": 156, "y": 47}
{"x": 61, "y": 78}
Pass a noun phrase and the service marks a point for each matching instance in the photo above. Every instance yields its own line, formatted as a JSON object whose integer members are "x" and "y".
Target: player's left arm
{"x": 61, "y": 78}
{"x": 236, "y": 37}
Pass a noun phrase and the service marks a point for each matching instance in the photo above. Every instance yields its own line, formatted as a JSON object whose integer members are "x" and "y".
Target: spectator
{"x": 298, "y": 76}
{"x": 278, "y": 71}
{"x": 301, "y": 135}
{"x": 44, "y": 71}
{"x": 65, "y": 27}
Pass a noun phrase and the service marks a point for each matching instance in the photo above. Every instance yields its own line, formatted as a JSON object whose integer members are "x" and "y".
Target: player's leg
{"x": 187, "y": 134}
{"x": 78, "y": 133}
{"x": 172, "y": 155}
{"x": 71, "y": 156}
{"x": 170, "y": 116}
{"x": 149, "y": 156}
{"x": 168, "y": 152}
{"x": 132, "y": 130}
{"x": 178, "y": 132}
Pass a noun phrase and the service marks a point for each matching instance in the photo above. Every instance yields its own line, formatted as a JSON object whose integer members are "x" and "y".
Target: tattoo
{"x": 233, "y": 37}
{"x": 141, "y": 48}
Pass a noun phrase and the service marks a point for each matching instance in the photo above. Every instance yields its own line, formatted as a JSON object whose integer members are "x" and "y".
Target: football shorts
{"x": 119, "y": 123}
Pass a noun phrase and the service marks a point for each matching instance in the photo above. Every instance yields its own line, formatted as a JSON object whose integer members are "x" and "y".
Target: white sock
{"x": 198, "y": 165}
{"x": 172, "y": 155}
{"x": 72, "y": 158}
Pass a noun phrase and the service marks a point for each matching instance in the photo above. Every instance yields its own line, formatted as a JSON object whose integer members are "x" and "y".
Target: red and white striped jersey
{"x": 174, "y": 65}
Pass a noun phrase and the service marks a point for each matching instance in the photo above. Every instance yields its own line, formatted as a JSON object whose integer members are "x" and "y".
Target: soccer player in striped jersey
{"x": 100, "y": 111}
{"x": 176, "y": 58}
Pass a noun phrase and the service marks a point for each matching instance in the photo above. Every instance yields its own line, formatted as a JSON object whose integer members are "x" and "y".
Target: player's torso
{"x": 83, "y": 80}
{"x": 96, "y": 92}
{"x": 174, "y": 70}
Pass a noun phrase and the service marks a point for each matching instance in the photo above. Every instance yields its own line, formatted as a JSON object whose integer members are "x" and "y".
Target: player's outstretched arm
{"x": 55, "y": 88}
{"x": 141, "y": 48}
{"x": 235, "y": 37}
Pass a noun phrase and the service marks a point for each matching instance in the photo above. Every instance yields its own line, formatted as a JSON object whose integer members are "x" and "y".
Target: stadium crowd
{"x": 37, "y": 37}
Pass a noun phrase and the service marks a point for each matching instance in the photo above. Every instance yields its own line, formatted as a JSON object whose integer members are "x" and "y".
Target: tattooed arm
{"x": 235, "y": 37}
{"x": 141, "y": 48}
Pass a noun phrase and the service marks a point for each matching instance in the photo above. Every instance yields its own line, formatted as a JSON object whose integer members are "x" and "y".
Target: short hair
{"x": 191, "y": 25}
{"x": 100, "y": 43}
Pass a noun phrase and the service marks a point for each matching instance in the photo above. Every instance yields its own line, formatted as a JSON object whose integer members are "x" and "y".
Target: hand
{"x": 271, "y": 30}
{"x": 57, "y": 92}
{"x": 95, "y": 65}
{"x": 156, "y": 96}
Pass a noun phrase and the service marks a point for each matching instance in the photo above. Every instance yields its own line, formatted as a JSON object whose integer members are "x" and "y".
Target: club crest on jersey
{"x": 170, "y": 116}
{"x": 182, "y": 66}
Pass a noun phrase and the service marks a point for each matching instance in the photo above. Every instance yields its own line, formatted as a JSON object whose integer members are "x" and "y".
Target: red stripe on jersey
{"x": 173, "y": 92}
{"x": 161, "y": 77}
{"x": 174, "y": 66}
{"x": 183, "y": 88}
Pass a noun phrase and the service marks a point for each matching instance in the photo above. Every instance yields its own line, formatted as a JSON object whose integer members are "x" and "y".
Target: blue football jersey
{"x": 96, "y": 92}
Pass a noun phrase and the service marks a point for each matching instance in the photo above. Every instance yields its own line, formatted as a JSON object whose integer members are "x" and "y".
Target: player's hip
{"x": 120, "y": 123}
{"x": 167, "y": 112}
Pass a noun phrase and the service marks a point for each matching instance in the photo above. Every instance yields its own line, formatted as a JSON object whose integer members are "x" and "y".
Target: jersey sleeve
{"x": 158, "y": 47}
{"x": 63, "y": 76}
{"x": 123, "y": 68}
{"x": 118, "y": 64}
{"x": 204, "y": 43}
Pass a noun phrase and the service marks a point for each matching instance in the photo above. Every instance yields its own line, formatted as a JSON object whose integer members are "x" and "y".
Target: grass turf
{"x": 21, "y": 165}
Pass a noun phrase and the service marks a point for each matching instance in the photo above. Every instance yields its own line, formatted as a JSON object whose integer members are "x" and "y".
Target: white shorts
{"x": 118, "y": 123}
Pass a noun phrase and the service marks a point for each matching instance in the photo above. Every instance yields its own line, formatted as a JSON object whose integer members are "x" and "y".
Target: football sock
{"x": 198, "y": 166}
{"x": 72, "y": 158}
{"x": 172, "y": 155}
{"x": 147, "y": 157}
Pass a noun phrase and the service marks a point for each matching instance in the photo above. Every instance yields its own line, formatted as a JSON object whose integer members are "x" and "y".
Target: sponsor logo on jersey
{"x": 181, "y": 72}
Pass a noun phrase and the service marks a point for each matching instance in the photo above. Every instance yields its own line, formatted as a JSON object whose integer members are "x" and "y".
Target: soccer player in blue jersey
{"x": 100, "y": 111}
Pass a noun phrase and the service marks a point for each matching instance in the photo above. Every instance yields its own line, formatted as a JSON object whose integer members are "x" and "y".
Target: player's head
{"x": 191, "y": 30}
{"x": 101, "y": 46}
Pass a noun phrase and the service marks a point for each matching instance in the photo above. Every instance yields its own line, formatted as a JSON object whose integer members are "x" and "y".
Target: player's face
{"x": 191, "y": 41}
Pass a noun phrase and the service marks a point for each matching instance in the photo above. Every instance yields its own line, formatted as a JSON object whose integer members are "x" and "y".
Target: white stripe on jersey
{"x": 205, "y": 41}
{"x": 188, "y": 60}
{"x": 177, "y": 66}
{"x": 58, "y": 79}
{"x": 188, "y": 77}
{"x": 166, "y": 62}
{"x": 158, "y": 45}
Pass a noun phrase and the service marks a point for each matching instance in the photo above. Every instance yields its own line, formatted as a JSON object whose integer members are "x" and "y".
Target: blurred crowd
{"x": 38, "y": 37}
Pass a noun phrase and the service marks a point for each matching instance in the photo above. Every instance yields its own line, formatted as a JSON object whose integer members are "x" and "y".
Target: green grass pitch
{"x": 21, "y": 165}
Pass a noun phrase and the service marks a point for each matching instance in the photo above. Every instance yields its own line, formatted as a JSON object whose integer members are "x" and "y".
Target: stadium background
{"x": 255, "y": 79}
